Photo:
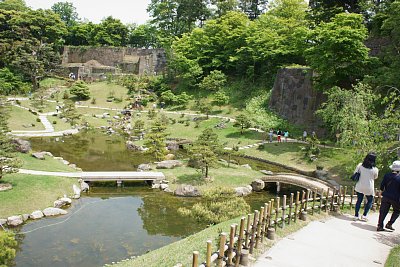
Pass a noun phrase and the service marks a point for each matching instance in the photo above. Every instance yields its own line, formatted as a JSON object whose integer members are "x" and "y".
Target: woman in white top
{"x": 365, "y": 185}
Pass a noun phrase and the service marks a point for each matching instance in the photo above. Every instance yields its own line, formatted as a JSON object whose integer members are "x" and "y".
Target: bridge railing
{"x": 250, "y": 232}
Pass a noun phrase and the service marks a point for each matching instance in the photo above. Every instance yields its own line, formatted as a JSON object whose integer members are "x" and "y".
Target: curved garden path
{"x": 333, "y": 242}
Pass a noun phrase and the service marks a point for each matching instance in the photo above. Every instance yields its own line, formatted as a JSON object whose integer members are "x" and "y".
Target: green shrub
{"x": 7, "y": 248}
{"x": 54, "y": 122}
{"x": 18, "y": 102}
{"x": 37, "y": 120}
{"x": 93, "y": 102}
{"x": 66, "y": 94}
{"x": 218, "y": 205}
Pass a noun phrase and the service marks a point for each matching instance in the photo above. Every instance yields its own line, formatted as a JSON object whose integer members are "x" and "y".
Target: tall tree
{"x": 221, "y": 7}
{"x": 205, "y": 150}
{"x": 155, "y": 140}
{"x": 67, "y": 12}
{"x": 253, "y": 8}
{"x": 144, "y": 35}
{"x": 31, "y": 42}
{"x": 111, "y": 32}
{"x": 338, "y": 53}
{"x": 17, "y": 5}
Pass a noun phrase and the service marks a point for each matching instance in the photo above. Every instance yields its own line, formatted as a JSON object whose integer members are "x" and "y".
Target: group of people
{"x": 279, "y": 135}
{"x": 390, "y": 187}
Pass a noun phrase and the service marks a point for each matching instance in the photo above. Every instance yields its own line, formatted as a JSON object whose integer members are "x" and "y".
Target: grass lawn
{"x": 335, "y": 161}
{"x": 50, "y": 106}
{"x": 393, "y": 259}
{"x": 32, "y": 192}
{"x": 233, "y": 176}
{"x": 101, "y": 90}
{"x": 60, "y": 124}
{"x": 49, "y": 164}
{"x": 182, "y": 250}
{"x": 20, "y": 117}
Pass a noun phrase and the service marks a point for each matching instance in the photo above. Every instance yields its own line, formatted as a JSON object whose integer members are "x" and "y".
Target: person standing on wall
{"x": 365, "y": 185}
{"x": 390, "y": 197}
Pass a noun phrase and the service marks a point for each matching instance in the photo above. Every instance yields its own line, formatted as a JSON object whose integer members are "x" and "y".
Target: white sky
{"x": 128, "y": 11}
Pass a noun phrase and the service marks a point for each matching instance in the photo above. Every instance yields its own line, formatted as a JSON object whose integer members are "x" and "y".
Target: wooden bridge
{"x": 118, "y": 176}
{"x": 303, "y": 181}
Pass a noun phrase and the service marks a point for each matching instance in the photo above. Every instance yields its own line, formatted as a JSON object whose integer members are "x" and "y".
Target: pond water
{"x": 110, "y": 224}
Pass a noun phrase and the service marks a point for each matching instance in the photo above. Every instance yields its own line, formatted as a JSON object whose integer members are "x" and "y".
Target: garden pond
{"x": 109, "y": 224}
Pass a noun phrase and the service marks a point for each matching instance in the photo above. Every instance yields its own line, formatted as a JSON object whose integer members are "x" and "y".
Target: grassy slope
{"x": 101, "y": 90}
{"x": 49, "y": 164}
{"x": 19, "y": 117}
{"x": 32, "y": 192}
{"x": 333, "y": 160}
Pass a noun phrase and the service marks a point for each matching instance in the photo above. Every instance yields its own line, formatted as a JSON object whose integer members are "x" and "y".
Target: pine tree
{"x": 155, "y": 140}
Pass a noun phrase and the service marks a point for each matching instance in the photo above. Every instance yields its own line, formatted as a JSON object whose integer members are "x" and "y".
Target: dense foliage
{"x": 8, "y": 247}
{"x": 218, "y": 205}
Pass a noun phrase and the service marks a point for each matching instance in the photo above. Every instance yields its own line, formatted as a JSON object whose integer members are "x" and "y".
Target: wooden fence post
{"x": 296, "y": 205}
{"x": 333, "y": 198}
{"x": 344, "y": 196}
{"x": 276, "y": 212}
{"x": 253, "y": 231}
{"x": 290, "y": 208}
{"x": 221, "y": 251}
{"x": 351, "y": 197}
{"x": 264, "y": 222}
{"x": 246, "y": 240}
{"x": 327, "y": 201}
{"x": 321, "y": 196}
{"x": 260, "y": 219}
{"x": 195, "y": 262}
{"x": 283, "y": 211}
{"x": 271, "y": 209}
{"x": 239, "y": 242}
{"x": 209, "y": 252}
{"x": 313, "y": 201}
{"x": 231, "y": 245}
{"x": 339, "y": 198}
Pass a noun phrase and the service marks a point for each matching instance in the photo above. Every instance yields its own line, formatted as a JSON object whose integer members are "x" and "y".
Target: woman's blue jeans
{"x": 367, "y": 207}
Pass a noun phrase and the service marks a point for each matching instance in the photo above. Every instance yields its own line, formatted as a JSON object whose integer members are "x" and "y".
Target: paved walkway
{"x": 335, "y": 242}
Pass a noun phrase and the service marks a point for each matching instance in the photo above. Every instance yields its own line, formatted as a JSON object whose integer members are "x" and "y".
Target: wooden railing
{"x": 245, "y": 237}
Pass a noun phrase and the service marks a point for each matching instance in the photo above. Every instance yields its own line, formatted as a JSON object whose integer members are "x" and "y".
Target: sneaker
{"x": 380, "y": 229}
{"x": 364, "y": 218}
{"x": 389, "y": 226}
{"x": 356, "y": 218}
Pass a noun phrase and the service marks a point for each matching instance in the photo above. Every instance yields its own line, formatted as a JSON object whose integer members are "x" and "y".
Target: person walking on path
{"x": 271, "y": 134}
{"x": 390, "y": 197}
{"x": 286, "y": 135}
{"x": 304, "y": 135}
{"x": 279, "y": 134}
{"x": 365, "y": 184}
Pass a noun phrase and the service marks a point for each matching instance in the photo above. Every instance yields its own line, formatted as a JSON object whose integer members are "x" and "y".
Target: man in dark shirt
{"x": 390, "y": 197}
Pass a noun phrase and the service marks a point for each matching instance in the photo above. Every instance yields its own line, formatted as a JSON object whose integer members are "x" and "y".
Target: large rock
{"x": 21, "y": 145}
{"x": 64, "y": 201}
{"x": 15, "y": 220}
{"x": 54, "y": 212}
{"x": 243, "y": 190}
{"x": 5, "y": 186}
{"x": 84, "y": 185}
{"x": 187, "y": 191}
{"x": 172, "y": 146}
{"x": 37, "y": 214}
{"x": 39, "y": 155}
{"x": 247, "y": 166}
{"x": 169, "y": 164}
{"x": 163, "y": 186}
{"x": 144, "y": 167}
{"x": 3, "y": 221}
{"x": 77, "y": 191}
{"x": 257, "y": 185}
{"x": 132, "y": 146}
